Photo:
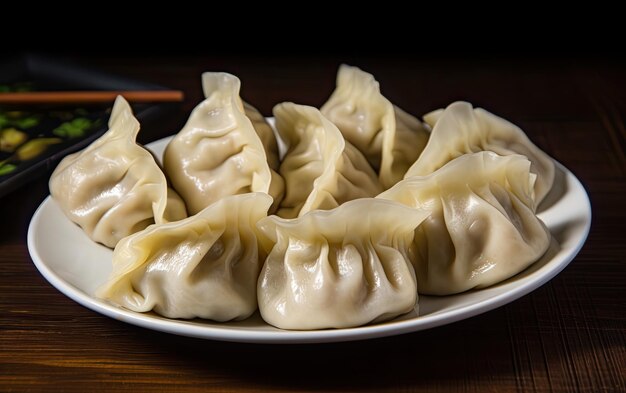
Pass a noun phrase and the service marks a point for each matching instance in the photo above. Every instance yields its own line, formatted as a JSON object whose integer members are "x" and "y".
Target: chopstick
{"x": 85, "y": 97}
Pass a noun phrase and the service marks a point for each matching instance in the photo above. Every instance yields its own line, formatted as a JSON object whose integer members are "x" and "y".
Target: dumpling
{"x": 390, "y": 138}
{"x": 431, "y": 117}
{"x": 321, "y": 170}
{"x": 339, "y": 268}
{"x": 210, "y": 83}
{"x": 482, "y": 227}
{"x": 268, "y": 139}
{"x": 461, "y": 129}
{"x": 265, "y": 133}
{"x": 218, "y": 152}
{"x": 204, "y": 266}
{"x": 114, "y": 187}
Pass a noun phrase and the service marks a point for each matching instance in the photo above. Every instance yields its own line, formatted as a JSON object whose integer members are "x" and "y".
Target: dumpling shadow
{"x": 559, "y": 187}
{"x": 562, "y": 232}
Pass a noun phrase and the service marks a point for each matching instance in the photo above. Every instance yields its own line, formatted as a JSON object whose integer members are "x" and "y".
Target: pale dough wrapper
{"x": 482, "y": 227}
{"x": 218, "y": 152}
{"x": 114, "y": 187}
{"x": 339, "y": 268}
{"x": 265, "y": 133}
{"x": 462, "y": 129}
{"x": 205, "y": 266}
{"x": 211, "y": 82}
{"x": 321, "y": 170}
{"x": 390, "y": 138}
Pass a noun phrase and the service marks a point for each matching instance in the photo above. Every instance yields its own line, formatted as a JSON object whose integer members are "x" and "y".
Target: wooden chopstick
{"x": 85, "y": 97}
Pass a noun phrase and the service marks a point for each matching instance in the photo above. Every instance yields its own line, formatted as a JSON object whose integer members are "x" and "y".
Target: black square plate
{"x": 43, "y": 73}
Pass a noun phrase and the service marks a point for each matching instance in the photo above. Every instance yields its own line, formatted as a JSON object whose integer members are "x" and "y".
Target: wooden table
{"x": 566, "y": 336}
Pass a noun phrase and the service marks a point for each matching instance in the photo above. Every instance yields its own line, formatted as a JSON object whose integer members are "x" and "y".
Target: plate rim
{"x": 384, "y": 329}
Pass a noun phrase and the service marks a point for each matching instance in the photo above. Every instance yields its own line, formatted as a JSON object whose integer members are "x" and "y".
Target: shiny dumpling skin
{"x": 211, "y": 82}
{"x": 268, "y": 139}
{"x": 114, "y": 187}
{"x": 390, "y": 138}
{"x": 205, "y": 266}
{"x": 462, "y": 129}
{"x": 482, "y": 227}
{"x": 265, "y": 133}
{"x": 321, "y": 170}
{"x": 338, "y": 268}
{"x": 218, "y": 153}
{"x": 431, "y": 117}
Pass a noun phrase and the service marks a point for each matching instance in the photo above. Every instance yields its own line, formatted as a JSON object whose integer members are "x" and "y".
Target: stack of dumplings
{"x": 366, "y": 207}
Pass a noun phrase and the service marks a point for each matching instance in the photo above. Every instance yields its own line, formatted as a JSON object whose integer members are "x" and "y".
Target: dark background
{"x": 566, "y": 90}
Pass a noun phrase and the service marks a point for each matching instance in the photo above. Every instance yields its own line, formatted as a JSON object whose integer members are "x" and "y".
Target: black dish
{"x": 51, "y": 126}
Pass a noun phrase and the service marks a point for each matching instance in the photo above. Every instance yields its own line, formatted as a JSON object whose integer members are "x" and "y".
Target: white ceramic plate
{"x": 76, "y": 266}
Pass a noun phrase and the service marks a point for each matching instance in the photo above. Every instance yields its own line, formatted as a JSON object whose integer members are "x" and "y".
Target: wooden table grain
{"x": 568, "y": 335}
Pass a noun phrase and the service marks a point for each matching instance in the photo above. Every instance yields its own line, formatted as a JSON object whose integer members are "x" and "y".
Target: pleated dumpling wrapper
{"x": 461, "y": 129}
{"x": 265, "y": 133}
{"x": 339, "y": 268}
{"x": 218, "y": 153}
{"x": 114, "y": 187}
{"x": 482, "y": 227}
{"x": 390, "y": 138}
{"x": 211, "y": 82}
{"x": 321, "y": 170}
{"x": 205, "y": 266}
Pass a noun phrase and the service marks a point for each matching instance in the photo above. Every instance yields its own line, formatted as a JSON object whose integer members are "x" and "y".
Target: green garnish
{"x": 73, "y": 129}
{"x": 26, "y": 122}
{"x": 7, "y": 168}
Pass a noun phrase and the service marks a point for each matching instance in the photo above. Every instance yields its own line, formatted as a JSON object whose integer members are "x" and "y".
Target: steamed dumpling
{"x": 210, "y": 83}
{"x": 218, "y": 152}
{"x": 114, "y": 187}
{"x": 321, "y": 170}
{"x": 339, "y": 268}
{"x": 265, "y": 133}
{"x": 390, "y": 138}
{"x": 461, "y": 129}
{"x": 204, "y": 266}
{"x": 268, "y": 139}
{"x": 431, "y": 117}
{"x": 482, "y": 227}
